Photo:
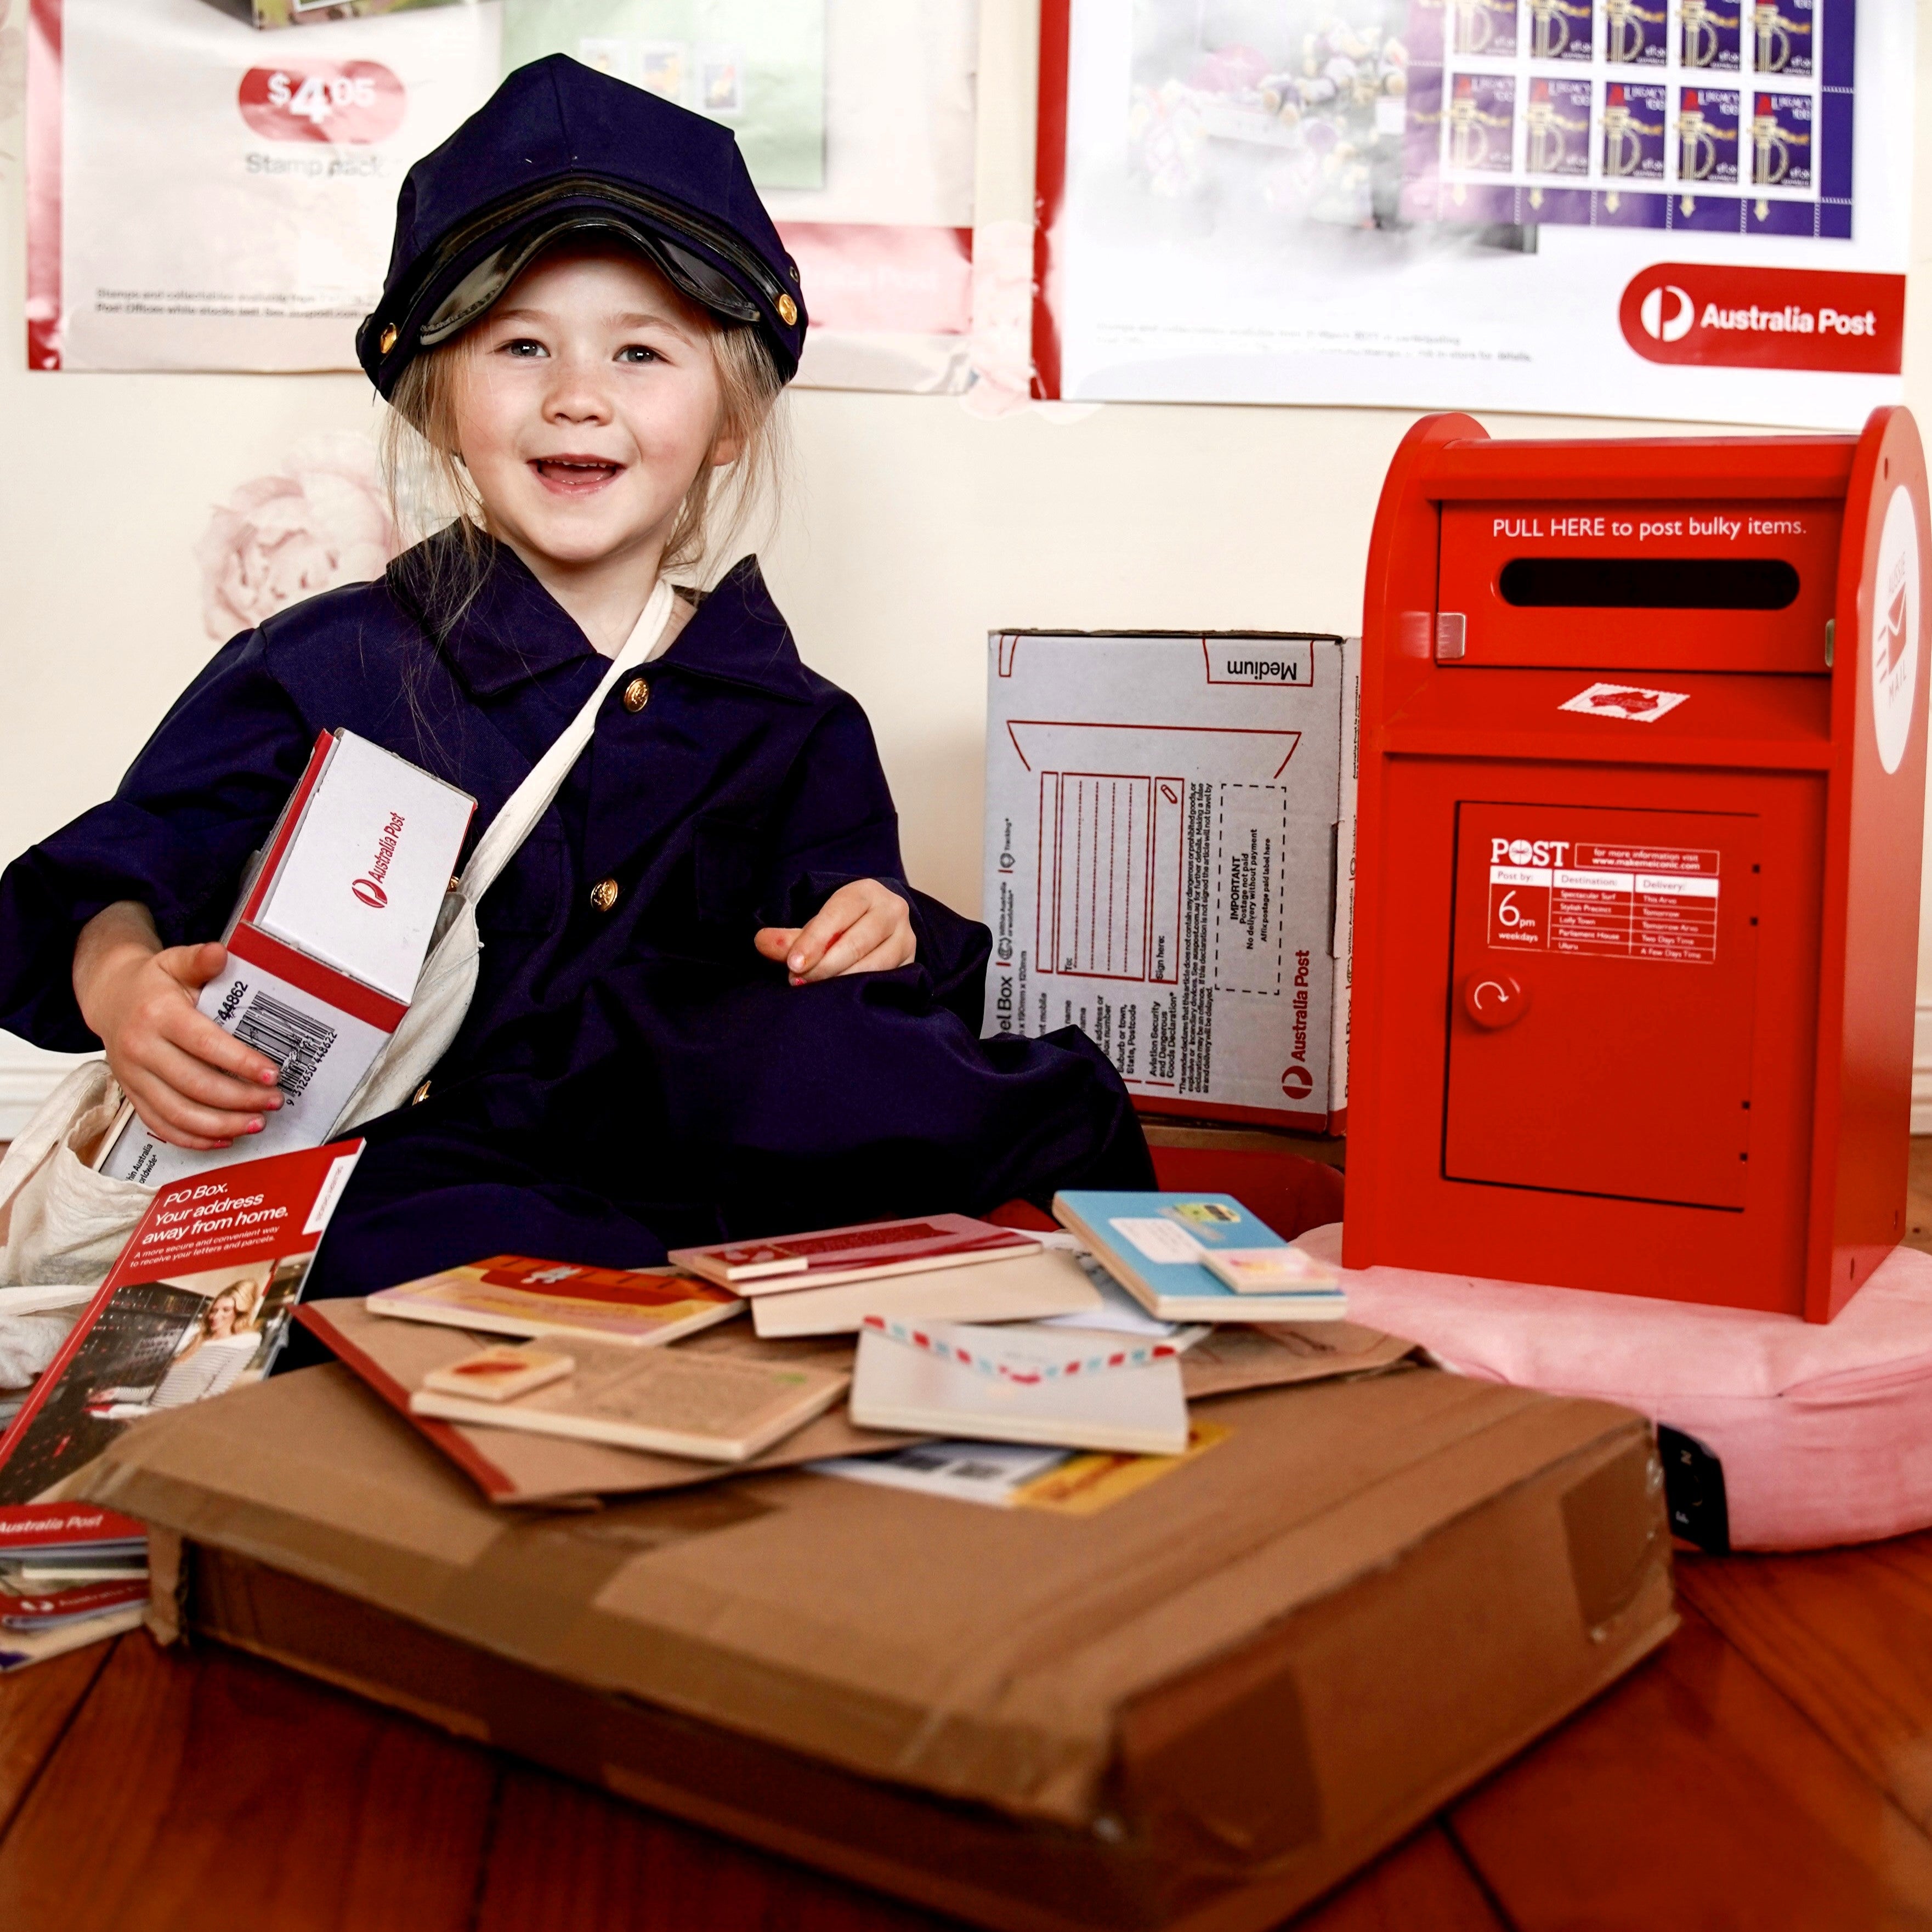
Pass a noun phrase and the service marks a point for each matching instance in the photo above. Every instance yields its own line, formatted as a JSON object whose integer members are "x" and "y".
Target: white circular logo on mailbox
{"x": 1894, "y": 629}
{"x": 1520, "y": 851}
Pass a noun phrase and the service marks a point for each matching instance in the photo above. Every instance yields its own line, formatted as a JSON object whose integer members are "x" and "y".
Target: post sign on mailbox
{"x": 1642, "y": 786}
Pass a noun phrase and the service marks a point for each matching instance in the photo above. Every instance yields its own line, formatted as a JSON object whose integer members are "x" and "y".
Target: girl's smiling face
{"x": 587, "y": 403}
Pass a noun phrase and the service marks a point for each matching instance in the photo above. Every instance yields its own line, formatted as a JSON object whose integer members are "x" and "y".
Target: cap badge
{"x": 388, "y": 341}
{"x": 787, "y": 311}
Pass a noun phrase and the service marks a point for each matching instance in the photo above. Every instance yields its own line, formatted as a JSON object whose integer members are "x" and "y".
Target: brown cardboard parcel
{"x": 1198, "y": 1708}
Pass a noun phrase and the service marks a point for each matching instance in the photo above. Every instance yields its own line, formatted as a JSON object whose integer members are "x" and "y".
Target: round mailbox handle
{"x": 1494, "y": 1000}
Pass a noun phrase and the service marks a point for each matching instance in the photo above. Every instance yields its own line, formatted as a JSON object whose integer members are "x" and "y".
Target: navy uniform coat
{"x": 627, "y": 1079}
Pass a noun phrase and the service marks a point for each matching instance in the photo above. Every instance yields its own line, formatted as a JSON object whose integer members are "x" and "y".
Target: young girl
{"x": 708, "y": 1004}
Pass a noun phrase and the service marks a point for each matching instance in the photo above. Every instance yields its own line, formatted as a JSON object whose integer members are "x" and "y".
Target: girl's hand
{"x": 862, "y": 928}
{"x": 191, "y": 1084}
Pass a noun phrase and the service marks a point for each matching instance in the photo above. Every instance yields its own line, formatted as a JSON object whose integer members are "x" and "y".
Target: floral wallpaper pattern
{"x": 324, "y": 520}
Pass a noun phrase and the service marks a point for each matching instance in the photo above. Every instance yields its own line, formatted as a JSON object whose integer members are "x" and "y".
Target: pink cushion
{"x": 1825, "y": 1432}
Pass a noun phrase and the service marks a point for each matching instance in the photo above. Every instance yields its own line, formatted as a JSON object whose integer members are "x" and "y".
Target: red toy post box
{"x": 1642, "y": 785}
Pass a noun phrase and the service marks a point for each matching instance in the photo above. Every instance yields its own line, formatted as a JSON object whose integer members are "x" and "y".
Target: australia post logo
{"x": 346, "y": 102}
{"x": 1894, "y": 624}
{"x": 369, "y": 889}
{"x": 1720, "y": 315}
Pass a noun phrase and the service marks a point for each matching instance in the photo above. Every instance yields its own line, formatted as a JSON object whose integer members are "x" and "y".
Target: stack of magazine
{"x": 1076, "y": 1383}
{"x": 933, "y": 1268}
{"x": 965, "y": 1329}
{"x": 199, "y": 1302}
{"x": 935, "y": 1353}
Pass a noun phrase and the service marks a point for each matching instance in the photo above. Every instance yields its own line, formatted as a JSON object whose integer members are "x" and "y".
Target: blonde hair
{"x": 430, "y": 489}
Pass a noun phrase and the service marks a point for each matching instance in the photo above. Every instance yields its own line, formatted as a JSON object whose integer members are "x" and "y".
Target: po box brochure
{"x": 1169, "y": 858}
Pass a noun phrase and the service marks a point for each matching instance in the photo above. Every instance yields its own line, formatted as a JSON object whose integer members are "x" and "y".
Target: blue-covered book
{"x": 1158, "y": 1246}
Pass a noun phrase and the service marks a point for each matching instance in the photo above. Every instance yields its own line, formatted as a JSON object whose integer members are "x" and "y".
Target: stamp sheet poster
{"x": 1689, "y": 209}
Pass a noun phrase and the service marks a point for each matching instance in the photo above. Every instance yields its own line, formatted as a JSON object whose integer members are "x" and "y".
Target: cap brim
{"x": 473, "y": 295}
{"x": 454, "y": 282}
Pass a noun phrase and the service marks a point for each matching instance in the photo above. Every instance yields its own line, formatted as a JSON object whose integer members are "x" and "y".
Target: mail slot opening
{"x": 1649, "y": 583}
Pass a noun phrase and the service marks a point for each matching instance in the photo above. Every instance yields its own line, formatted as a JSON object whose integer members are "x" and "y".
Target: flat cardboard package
{"x": 1199, "y": 1707}
{"x": 1169, "y": 853}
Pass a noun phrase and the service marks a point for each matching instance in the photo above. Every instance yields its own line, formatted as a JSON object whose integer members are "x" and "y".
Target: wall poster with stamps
{"x": 1689, "y": 208}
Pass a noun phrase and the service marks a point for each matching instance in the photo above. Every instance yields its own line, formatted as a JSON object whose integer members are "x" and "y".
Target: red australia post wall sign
{"x": 1721, "y": 315}
{"x": 348, "y": 102}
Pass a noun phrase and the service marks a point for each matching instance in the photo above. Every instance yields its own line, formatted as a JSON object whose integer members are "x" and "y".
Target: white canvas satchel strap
{"x": 447, "y": 981}
{"x": 527, "y": 804}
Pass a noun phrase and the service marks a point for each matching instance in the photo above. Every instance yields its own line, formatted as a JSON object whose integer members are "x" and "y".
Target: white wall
{"x": 912, "y": 528}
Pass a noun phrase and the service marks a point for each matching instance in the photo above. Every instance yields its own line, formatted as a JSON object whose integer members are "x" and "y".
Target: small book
{"x": 18, "y": 1648}
{"x": 870, "y": 1252}
{"x": 1154, "y": 1245}
{"x": 499, "y": 1374}
{"x": 64, "y": 1535}
{"x": 50, "y": 1611}
{"x": 393, "y": 1359}
{"x": 670, "y": 1402}
{"x": 1278, "y": 1270}
{"x": 515, "y": 1295}
{"x": 1134, "y": 1411}
{"x": 19, "y": 1578}
{"x": 1022, "y": 1289}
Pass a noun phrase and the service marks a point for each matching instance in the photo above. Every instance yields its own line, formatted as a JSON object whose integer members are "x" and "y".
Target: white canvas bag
{"x": 61, "y": 1222}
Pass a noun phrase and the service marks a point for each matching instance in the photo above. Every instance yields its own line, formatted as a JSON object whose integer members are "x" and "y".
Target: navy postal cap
{"x": 561, "y": 149}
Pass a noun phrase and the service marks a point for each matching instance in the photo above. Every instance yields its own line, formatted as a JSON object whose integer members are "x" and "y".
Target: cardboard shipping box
{"x": 324, "y": 946}
{"x": 1199, "y": 1706}
{"x": 1169, "y": 850}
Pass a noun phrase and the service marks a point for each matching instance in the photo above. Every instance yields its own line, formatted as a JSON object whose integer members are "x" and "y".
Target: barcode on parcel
{"x": 295, "y": 1042}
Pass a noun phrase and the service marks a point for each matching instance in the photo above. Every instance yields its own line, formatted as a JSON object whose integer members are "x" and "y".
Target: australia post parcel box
{"x": 1642, "y": 784}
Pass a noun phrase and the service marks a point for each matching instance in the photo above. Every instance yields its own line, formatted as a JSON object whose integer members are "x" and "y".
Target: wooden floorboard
{"x": 1846, "y": 1635}
{"x": 1918, "y": 1194}
{"x": 564, "y": 1859}
{"x": 200, "y": 1792}
{"x": 206, "y": 1790}
{"x": 1693, "y": 1797}
{"x": 36, "y": 1705}
{"x": 1422, "y": 1885}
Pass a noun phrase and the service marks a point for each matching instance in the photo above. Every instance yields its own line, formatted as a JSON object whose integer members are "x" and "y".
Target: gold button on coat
{"x": 420, "y": 1095}
{"x": 636, "y": 694}
{"x": 604, "y": 894}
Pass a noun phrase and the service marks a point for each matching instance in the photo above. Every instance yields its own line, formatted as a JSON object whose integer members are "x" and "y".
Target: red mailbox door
{"x": 1602, "y": 1001}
